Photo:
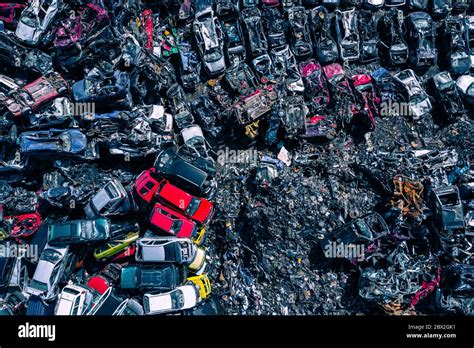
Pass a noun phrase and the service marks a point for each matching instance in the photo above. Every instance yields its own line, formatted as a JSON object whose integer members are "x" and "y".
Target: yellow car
{"x": 203, "y": 283}
{"x": 199, "y": 238}
{"x": 115, "y": 246}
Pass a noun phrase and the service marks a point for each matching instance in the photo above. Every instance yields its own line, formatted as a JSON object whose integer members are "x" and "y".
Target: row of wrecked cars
{"x": 113, "y": 112}
{"x": 78, "y": 238}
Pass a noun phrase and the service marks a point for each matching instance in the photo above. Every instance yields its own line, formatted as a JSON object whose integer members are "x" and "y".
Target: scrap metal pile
{"x": 236, "y": 157}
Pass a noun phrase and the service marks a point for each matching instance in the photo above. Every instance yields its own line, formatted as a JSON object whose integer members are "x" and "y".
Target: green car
{"x": 79, "y": 232}
{"x": 115, "y": 246}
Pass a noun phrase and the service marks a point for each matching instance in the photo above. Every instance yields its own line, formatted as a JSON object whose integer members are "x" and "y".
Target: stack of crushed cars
{"x": 114, "y": 119}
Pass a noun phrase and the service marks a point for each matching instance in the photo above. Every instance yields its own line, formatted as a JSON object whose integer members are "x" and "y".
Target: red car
{"x": 146, "y": 185}
{"x": 23, "y": 225}
{"x": 106, "y": 278}
{"x": 173, "y": 222}
{"x": 198, "y": 209}
{"x": 31, "y": 97}
{"x": 99, "y": 283}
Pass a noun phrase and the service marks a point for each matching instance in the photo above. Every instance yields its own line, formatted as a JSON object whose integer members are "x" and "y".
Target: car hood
{"x": 190, "y": 298}
{"x": 43, "y": 271}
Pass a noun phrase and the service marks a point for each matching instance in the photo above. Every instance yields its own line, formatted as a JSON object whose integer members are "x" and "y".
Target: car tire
{"x": 26, "y": 110}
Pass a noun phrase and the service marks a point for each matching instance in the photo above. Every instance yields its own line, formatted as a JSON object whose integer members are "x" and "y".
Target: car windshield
{"x": 111, "y": 191}
{"x": 71, "y": 291}
{"x": 416, "y": 99}
{"x": 39, "y": 285}
{"x": 29, "y": 21}
{"x": 50, "y": 255}
{"x": 470, "y": 90}
{"x": 164, "y": 159}
{"x": 176, "y": 226}
{"x": 177, "y": 299}
{"x": 193, "y": 206}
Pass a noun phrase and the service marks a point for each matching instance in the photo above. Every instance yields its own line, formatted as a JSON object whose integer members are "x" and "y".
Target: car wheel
{"x": 26, "y": 110}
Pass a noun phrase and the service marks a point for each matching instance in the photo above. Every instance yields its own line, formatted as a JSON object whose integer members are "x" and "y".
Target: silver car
{"x": 50, "y": 269}
{"x": 171, "y": 249}
{"x": 112, "y": 199}
{"x": 36, "y": 19}
{"x": 209, "y": 38}
{"x": 418, "y": 101}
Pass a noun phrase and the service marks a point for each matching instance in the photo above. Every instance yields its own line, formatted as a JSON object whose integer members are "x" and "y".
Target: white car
{"x": 54, "y": 261}
{"x": 465, "y": 85}
{"x": 181, "y": 298}
{"x": 195, "y": 141}
{"x": 171, "y": 249}
{"x": 73, "y": 300}
{"x": 36, "y": 19}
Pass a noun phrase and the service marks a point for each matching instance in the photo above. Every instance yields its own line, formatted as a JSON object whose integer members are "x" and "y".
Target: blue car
{"x": 93, "y": 89}
{"x": 53, "y": 142}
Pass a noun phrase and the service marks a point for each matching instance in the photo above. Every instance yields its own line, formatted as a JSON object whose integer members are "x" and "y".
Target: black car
{"x": 256, "y": 40}
{"x": 190, "y": 66}
{"x": 447, "y": 96}
{"x": 157, "y": 277}
{"x": 241, "y": 79}
{"x": 183, "y": 173}
{"x": 179, "y": 106}
{"x": 461, "y": 5}
{"x": 456, "y": 292}
{"x": 368, "y": 36}
{"x": 15, "y": 55}
{"x": 227, "y": 7}
{"x": 441, "y": 8}
{"x": 274, "y": 25}
{"x": 110, "y": 303}
{"x": 325, "y": 46}
{"x": 300, "y": 42}
{"x": 454, "y": 51}
{"x": 234, "y": 41}
{"x": 420, "y": 36}
{"x": 284, "y": 64}
{"x": 448, "y": 208}
{"x": 393, "y": 47}
{"x": 347, "y": 34}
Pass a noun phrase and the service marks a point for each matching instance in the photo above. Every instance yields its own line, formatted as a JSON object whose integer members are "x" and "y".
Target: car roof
{"x": 159, "y": 302}
{"x": 175, "y": 195}
{"x": 43, "y": 271}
